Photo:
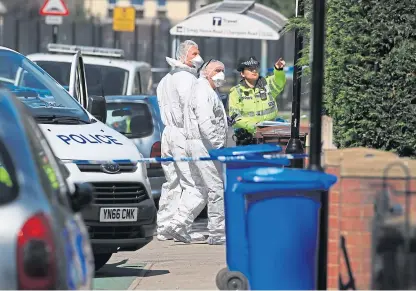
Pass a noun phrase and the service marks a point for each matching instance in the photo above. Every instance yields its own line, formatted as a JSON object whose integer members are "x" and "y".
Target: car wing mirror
{"x": 97, "y": 106}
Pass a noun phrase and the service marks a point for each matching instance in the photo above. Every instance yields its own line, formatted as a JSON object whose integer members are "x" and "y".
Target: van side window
{"x": 8, "y": 183}
{"x": 137, "y": 88}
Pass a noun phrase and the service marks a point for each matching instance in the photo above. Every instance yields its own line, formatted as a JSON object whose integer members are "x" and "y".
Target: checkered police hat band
{"x": 251, "y": 63}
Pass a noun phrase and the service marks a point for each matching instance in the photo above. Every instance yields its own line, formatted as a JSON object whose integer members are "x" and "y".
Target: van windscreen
{"x": 110, "y": 80}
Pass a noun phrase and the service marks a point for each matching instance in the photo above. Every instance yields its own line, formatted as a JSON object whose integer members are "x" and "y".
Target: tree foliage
{"x": 370, "y": 73}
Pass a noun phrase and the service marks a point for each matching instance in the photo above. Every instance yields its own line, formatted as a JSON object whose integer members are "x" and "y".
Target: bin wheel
{"x": 230, "y": 280}
{"x": 219, "y": 279}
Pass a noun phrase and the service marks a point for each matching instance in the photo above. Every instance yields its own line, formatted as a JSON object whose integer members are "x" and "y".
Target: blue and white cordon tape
{"x": 195, "y": 159}
{"x": 219, "y": 158}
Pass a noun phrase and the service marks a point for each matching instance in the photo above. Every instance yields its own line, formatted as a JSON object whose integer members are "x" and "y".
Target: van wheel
{"x": 100, "y": 260}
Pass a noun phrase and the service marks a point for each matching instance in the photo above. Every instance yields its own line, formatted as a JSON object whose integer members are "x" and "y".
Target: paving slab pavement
{"x": 164, "y": 265}
{"x": 173, "y": 265}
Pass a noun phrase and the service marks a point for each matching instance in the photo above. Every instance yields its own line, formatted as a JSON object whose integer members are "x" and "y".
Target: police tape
{"x": 222, "y": 158}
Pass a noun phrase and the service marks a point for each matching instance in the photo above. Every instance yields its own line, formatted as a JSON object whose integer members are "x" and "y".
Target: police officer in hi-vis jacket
{"x": 253, "y": 100}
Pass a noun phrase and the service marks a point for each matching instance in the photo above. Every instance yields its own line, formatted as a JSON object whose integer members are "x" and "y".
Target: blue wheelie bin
{"x": 237, "y": 249}
{"x": 281, "y": 208}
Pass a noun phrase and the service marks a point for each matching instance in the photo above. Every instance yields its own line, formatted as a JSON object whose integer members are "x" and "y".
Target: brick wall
{"x": 361, "y": 178}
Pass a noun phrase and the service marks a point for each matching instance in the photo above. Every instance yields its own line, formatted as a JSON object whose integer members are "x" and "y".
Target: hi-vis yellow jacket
{"x": 257, "y": 104}
{"x": 5, "y": 177}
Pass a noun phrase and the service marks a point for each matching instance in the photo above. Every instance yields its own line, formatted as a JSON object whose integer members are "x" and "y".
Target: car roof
{"x": 90, "y": 60}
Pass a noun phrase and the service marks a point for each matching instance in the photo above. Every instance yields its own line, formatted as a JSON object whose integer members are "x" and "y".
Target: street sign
{"x": 53, "y": 20}
{"x": 124, "y": 19}
{"x": 54, "y": 8}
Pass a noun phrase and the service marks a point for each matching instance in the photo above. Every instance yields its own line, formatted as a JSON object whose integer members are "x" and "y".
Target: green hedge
{"x": 370, "y": 77}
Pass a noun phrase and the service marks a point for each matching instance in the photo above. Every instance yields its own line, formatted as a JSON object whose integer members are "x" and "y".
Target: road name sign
{"x": 53, "y": 20}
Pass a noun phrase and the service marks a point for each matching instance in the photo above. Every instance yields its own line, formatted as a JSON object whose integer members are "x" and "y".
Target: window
{"x": 107, "y": 79}
{"x": 8, "y": 183}
{"x": 137, "y": 88}
{"x": 36, "y": 89}
{"x": 134, "y": 120}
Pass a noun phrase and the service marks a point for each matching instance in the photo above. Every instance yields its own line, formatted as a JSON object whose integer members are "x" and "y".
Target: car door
{"x": 78, "y": 80}
{"x": 73, "y": 236}
{"x": 137, "y": 85}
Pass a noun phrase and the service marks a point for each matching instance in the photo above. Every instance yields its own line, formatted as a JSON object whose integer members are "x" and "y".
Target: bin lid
{"x": 289, "y": 179}
{"x": 259, "y": 162}
{"x": 254, "y": 149}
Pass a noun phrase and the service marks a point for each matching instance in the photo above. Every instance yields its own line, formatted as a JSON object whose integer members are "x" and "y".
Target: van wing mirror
{"x": 97, "y": 106}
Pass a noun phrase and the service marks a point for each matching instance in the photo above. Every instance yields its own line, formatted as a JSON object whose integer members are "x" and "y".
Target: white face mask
{"x": 219, "y": 79}
{"x": 197, "y": 62}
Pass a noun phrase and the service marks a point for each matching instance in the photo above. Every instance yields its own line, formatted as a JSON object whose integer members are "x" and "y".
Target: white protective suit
{"x": 206, "y": 128}
{"x": 173, "y": 92}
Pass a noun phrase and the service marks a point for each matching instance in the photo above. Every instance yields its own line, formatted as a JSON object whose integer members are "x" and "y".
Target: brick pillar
{"x": 331, "y": 162}
{"x": 351, "y": 204}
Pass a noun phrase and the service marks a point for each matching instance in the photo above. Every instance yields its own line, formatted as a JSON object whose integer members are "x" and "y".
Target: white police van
{"x": 122, "y": 215}
{"x": 107, "y": 72}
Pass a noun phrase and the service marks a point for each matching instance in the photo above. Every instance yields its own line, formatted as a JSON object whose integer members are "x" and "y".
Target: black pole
{"x": 317, "y": 83}
{"x": 318, "y": 46}
{"x": 153, "y": 42}
{"x": 136, "y": 42}
{"x": 192, "y": 6}
{"x": 54, "y": 33}
{"x": 294, "y": 146}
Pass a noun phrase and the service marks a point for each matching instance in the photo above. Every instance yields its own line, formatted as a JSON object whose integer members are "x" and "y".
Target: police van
{"x": 106, "y": 70}
{"x": 123, "y": 214}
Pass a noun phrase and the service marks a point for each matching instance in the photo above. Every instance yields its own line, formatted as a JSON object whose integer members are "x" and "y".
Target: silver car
{"x": 138, "y": 118}
{"x": 44, "y": 242}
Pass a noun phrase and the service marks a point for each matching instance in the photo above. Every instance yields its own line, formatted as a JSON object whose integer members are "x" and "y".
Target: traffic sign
{"x": 55, "y": 8}
{"x": 53, "y": 20}
{"x": 124, "y": 19}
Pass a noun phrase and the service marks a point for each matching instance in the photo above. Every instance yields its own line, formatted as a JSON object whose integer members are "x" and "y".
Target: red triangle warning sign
{"x": 54, "y": 7}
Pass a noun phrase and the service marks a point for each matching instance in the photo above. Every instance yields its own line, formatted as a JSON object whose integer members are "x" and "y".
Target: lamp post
{"x": 294, "y": 146}
{"x": 318, "y": 44}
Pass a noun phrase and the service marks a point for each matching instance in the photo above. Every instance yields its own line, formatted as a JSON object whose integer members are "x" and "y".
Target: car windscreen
{"x": 110, "y": 80}
{"x": 134, "y": 120}
{"x": 38, "y": 90}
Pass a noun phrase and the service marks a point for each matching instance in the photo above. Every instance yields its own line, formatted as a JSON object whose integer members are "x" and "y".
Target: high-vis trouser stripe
{"x": 261, "y": 112}
{"x": 266, "y": 111}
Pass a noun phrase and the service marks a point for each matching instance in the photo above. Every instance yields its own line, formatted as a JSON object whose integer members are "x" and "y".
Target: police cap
{"x": 252, "y": 62}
